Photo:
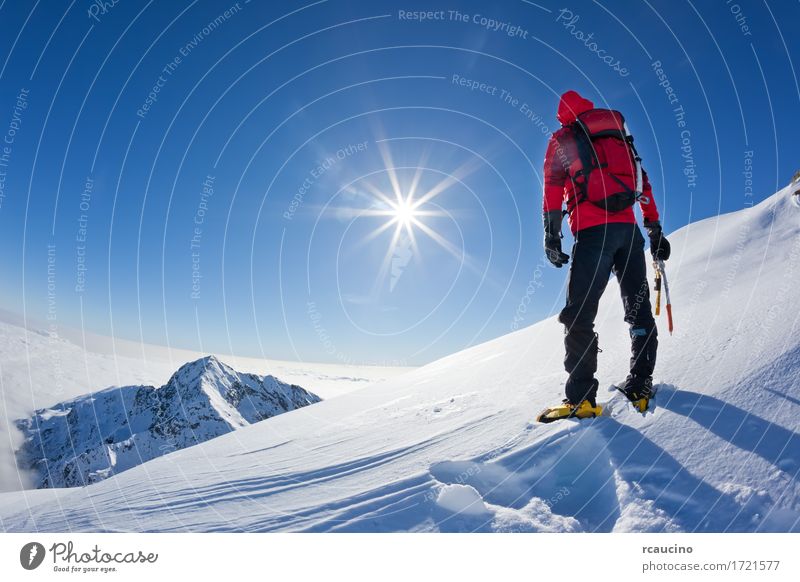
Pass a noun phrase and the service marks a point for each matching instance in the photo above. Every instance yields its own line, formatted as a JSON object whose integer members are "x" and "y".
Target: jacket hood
{"x": 572, "y": 105}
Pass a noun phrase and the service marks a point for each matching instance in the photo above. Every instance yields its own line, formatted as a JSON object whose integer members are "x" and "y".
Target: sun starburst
{"x": 406, "y": 212}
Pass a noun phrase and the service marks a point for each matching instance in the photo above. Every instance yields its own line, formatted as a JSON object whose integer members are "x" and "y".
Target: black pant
{"x": 599, "y": 250}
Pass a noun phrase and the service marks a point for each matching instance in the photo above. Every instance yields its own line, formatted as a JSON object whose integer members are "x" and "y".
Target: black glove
{"x": 659, "y": 245}
{"x": 552, "y": 238}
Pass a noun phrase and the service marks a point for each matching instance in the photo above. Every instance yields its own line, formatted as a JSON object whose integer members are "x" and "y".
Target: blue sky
{"x": 215, "y": 175}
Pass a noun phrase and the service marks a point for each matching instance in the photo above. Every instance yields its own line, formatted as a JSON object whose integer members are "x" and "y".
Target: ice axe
{"x": 661, "y": 275}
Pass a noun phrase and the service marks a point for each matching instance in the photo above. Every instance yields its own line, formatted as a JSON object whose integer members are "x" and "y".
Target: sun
{"x": 404, "y": 213}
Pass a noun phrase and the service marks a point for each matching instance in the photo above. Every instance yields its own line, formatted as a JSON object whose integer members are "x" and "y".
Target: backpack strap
{"x": 589, "y": 161}
{"x": 637, "y": 159}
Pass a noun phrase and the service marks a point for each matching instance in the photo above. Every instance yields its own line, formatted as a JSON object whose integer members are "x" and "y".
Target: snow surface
{"x": 452, "y": 446}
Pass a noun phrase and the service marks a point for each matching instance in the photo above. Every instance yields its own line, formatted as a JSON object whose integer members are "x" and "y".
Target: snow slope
{"x": 92, "y": 437}
{"x": 39, "y": 369}
{"x": 451, "y": 446}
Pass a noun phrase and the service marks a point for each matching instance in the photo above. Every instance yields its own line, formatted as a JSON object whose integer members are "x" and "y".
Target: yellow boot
{"x": 639, "y": 390}
{"x": 641, "y": 404}
{"x": 567, "y": 410}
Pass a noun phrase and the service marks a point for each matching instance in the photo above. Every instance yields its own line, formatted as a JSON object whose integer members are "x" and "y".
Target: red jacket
{"x": 558, "y": 188}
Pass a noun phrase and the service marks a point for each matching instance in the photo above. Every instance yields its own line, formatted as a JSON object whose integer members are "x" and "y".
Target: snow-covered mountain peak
{"x": 91, "y": 437}
{"x": 208, "y": 371}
